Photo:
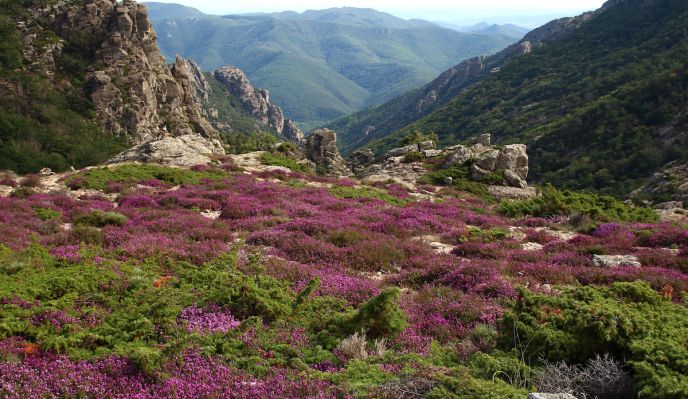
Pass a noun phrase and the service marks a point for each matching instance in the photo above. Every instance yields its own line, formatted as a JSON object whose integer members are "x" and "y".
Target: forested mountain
{"x": 324, "y": 64}
{"x": 601, "y": 108}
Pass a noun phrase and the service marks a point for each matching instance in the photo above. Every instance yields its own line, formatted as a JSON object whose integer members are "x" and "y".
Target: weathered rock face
{"x": 190, "y": 72}
{"x": 321, "y": 148}
{"x": 393, "y": 169}
{"x": 257, "y": 102}
{"x": 511, "y": 159}
{"x": 134, "y": 92}
{"x": 186, "y": 150}
{"x": 359, "y": 160}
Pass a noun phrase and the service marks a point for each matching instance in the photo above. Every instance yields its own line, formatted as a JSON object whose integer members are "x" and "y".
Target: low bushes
{"x": 553, "y": 202}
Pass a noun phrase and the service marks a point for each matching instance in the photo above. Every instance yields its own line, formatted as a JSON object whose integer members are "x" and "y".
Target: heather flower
{"x": 67, "y": 253}
{"x": 8, "y": 181}
{"x": 211, "y": 319}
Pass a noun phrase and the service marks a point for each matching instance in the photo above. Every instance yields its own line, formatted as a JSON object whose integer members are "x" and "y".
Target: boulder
{"x": 514, "y": 180}
{"x": 610, "y": 261}
{"x": 512, "y": 193}
{"x": 488, "y": 160}
{"x": 426, "y": 145}
{"x": 514, "y": 157}
{"x": 397, "y": 152}
{"x": 187, "y": 150}
{"x": 478, "y": 173}
{"x": 459, "y": 157}
{"x": 321, "y": 148}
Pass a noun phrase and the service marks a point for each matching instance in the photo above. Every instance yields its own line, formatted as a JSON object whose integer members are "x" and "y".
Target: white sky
{"x": 444, "y": 10}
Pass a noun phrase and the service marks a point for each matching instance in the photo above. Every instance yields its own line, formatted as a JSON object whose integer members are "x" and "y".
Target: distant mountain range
{"x": 484, "y": 28}
{"x": 600, "y": 99}
{"x": 322, "y": 64}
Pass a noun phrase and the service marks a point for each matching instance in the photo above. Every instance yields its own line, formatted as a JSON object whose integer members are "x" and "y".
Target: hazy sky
{"x": 443, "y": 10}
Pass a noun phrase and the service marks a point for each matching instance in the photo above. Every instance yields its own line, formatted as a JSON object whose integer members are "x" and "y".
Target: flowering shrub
{"x": 205, "y": 283}
{"x": 212, "y": 319}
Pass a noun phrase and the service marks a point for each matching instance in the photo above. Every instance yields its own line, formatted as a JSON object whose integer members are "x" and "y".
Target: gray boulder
{"x": 488, "y": 160}
{"x": 610, "y": 261}
{"x": 459, "y": 157}
{"x": 514, "y": 180}
{"x": 550, "y": 396}
{"x": 397, "y": 152}
{"x": 514, "y": 157}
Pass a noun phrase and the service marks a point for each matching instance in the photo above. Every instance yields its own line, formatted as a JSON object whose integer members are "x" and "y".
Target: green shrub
{"x": 47, "y": 214}
{"x": 99, "y": 218}
{"x": 380, "y": 316}
{"x": 460, "y": 181}
{"x": 553, "y": 202}
{"x": 414, "y": 156}
{"x": 278, "y": 159}
{"x": 99, "y": 178}
{"x": 461, "y": 384}
{"x": 366, "y": 192}
{"x": 417, "y": 137}
{"x": 630, "y": 321}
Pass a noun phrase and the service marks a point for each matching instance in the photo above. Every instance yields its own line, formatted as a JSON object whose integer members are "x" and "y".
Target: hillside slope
{"x": 322, "y": 65}
{"x": 602, "y": 108}
{"x": 361, "y": 128}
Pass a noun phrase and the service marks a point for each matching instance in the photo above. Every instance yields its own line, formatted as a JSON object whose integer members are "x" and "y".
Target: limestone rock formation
{"x": 186, "y": 150}
{"x": 134, "y": 92}
{"x": 257, "y": 102}
{"x": 321, "y": 148}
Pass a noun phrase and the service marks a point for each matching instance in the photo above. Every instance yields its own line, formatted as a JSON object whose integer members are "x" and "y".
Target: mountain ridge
{"x": 321, "y": 70}
{"x": 600, "y": 107}
{"x": 355, "y": 130}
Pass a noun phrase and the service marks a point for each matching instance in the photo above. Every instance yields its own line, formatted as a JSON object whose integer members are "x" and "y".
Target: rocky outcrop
{"x": 359, "y": 160}
{"x": 487, "y": 161}
{"x": 321, "y": 148}
{"x": 192, "y": 76}
{"x": 257, "y": 102}
{"x": 426, "y": 148}
{"x": 608, "y": 261}
{"x": 134, "y": 93}
{"x": 393, "y": 169}
{"x": 186, "y": 150}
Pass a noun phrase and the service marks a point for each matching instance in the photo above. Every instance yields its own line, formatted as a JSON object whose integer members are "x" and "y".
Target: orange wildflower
{"x": 30, "y": 349}
{"x": 667, "y": 292}
{"x": 162, "y": 281}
